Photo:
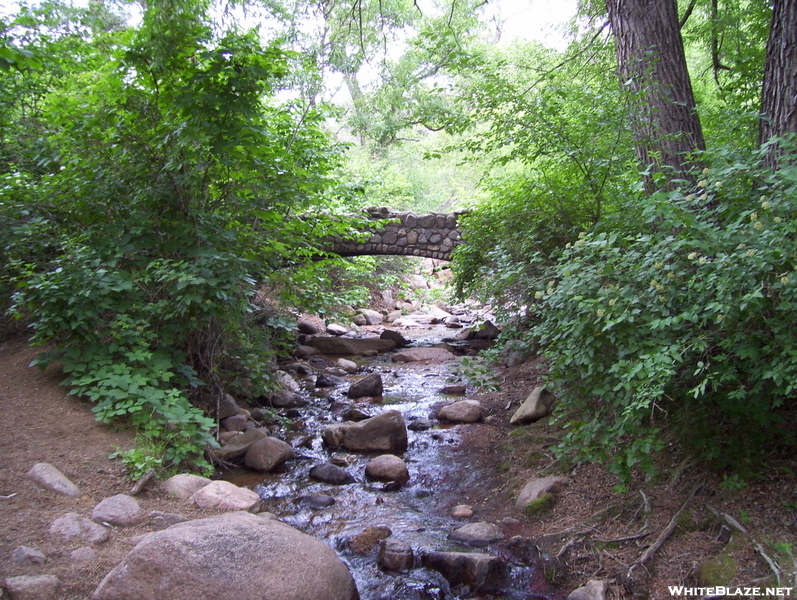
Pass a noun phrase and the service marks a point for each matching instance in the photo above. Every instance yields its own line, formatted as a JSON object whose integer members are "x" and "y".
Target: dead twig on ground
{"x": 624, "y": 539}
{"x": 664, "y": 535}
{"x": 727, "y": 518}
{"x": 141, "y": 483}
{"x": 772, "y": 564}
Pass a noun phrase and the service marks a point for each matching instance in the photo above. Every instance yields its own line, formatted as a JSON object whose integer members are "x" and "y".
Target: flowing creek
{"x": 417, "y": 513}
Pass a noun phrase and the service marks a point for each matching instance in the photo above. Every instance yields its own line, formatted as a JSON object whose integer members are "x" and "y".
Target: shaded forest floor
{"x": 589, "y": 533}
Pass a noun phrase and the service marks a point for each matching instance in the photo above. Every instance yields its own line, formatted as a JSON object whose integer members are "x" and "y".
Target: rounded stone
{"x": 120, "y": 510}
{"x": 267, "y": 454}
{"x": 478, "y": 534}
{"x": 395, "y": 555}
{"x": 464, "y": 411}
{"x": 387, "y": 467}
{"x": 232, "y": 557}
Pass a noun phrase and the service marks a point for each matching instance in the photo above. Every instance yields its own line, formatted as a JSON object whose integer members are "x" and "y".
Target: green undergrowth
{"x": 678, "y": 318}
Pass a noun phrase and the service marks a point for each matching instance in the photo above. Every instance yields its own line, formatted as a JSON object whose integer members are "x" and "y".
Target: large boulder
{"x": 347, "y": 346}
{"x": 464, "y": 411}
{"x": 480, "y": 572}
{"x": 238, "y": 446}
{"x": 223, "y": 495}
{"x": 536, "y": 488}
{"x": 267, "y": 454}
{"x": 372, "y": 317}
{"x": 386, "y": 432}
{"x": 229, "y": 557}
{"x": 394, "y": 336}
{"x": 184, "y": 485}
{"x": 370, "y": 385}
{"x": 422, "y": 354}
{"x": 387, "y": 467}
{"x": 537, "y": 406}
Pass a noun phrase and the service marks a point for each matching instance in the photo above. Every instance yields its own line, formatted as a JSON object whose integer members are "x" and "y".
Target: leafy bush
{"x": 683, "y": 315}
{"x": 171, "y": 177}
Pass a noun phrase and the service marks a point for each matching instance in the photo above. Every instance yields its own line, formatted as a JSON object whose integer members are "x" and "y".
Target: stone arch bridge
{"x": 432, "y": 235}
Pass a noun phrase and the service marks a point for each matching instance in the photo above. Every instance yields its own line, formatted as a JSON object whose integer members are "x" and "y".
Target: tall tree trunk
{"x": 358, "y": 101}
{"x": 779, "y": 89}
{"x": 651, "y": 63}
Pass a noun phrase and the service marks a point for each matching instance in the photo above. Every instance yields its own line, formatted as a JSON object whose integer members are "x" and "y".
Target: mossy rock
{"x": 719, "y": 570}
{"x": 540, "y": 506}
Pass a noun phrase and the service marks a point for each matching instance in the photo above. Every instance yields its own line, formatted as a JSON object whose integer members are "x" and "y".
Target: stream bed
{"x": 417, "y": 512}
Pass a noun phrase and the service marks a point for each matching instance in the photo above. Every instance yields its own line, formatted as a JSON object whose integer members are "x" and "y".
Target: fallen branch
{"x": 772, "y": 564}
{"x": 624, "y": 539}
{"x": 727, "y": 518}
{"x": 575, "y": 539}
{"x": 142, "y": 483}
{"x": 664, "y": 535}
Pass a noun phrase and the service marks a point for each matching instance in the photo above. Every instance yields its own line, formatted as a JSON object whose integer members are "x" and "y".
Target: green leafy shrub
{"x": 684, "y": 315}
{"x": 166, "y": 201}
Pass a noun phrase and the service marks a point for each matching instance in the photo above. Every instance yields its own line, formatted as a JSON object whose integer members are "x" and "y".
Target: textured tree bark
{"x": 779, "y": 89}
{"x": 652, "y": 65}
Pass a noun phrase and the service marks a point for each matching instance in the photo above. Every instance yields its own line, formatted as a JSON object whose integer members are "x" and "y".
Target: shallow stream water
{"x": 417, "y": 513}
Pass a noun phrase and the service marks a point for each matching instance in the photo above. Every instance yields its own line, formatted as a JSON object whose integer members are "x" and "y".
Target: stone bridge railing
{"x": 433, "y": 235}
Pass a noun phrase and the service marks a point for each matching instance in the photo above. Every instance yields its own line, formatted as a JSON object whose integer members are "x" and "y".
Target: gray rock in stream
{"x": 329, "y": 473}
{"x": 327, "y": 380}
{"x": 347, "y": 346}
{"x": 464, "y": 411}
{"x": 386, "y": 432}
{"x": 315, "y": 501}
{"x": 267, "y": 454}
{"x": 387, "y": 467}
{"x": 480, "y": 572}
{"x": 370, "y": 385}
{"x": 395, "y": 337}
{"x": 238, "y": 446}
{"x": 395, "y": 555}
